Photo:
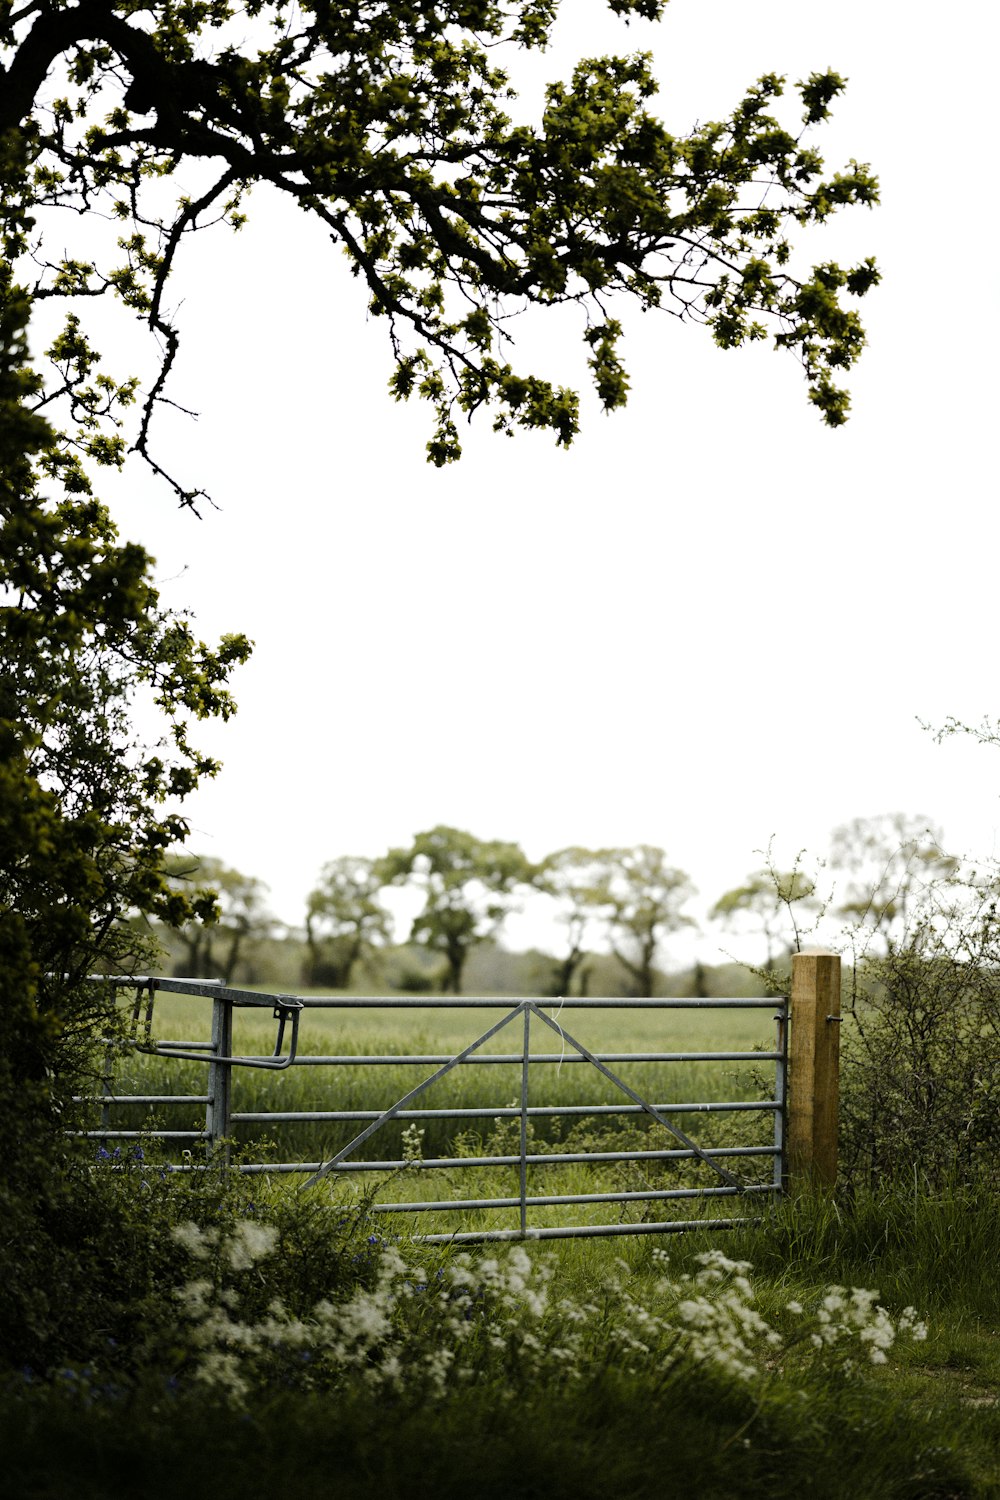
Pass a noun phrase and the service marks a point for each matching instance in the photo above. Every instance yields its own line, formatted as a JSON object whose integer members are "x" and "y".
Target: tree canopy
{"x": 468, "y": 884}
{"x": 570, "y": 877}
{"x": 772, "y": 901}
{"x": 395, "y": 126}
{"x": 640, "y": 896}
{"x": 344, "y": 919}
{"x": 87, "y": 808}
{"x": 214, "y": 943}
{"x": 892, "y": 863}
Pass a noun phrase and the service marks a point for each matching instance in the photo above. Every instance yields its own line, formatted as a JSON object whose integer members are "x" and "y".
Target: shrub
{"x": 920, "y": 1093}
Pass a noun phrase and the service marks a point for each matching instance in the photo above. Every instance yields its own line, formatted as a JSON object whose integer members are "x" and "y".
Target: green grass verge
{"x": 925, "y": 1425}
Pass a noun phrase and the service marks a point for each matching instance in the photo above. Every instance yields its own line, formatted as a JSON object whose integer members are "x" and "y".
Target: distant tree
{"x": 697, "y": 986}
{"x": 770, "y": 902}
{"x": 216, "y": 941}
{"x": 469, "y": 886}
{"x": 891, "y": 861}
{"x": 570, "y": 877}
{"x": 640, "y": 896}
{"x": 344, "y": 919}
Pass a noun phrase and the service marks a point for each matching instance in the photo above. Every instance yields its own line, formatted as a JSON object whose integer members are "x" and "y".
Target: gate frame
{"x": 805, "y": 1105}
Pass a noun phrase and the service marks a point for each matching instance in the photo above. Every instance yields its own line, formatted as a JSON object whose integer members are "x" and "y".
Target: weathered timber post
{"x": 814, "y": 1070}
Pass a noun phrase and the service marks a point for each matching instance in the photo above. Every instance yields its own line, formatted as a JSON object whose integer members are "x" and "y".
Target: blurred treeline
{"x": 614, "y": 914}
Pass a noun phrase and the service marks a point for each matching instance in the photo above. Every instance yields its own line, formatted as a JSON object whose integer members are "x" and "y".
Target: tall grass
{"x": 925, "y": 1428}
{"x": 937, "y": 1249}
{"x": 623, "y": 1415}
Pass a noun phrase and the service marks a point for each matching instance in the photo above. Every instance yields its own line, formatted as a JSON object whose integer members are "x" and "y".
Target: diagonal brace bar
{"x": 637, "y": 1099}
{"x": 390, "y": 1114}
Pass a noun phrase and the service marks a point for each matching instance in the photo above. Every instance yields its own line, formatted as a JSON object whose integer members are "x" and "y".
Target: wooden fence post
{"x": 814, "y": 1070}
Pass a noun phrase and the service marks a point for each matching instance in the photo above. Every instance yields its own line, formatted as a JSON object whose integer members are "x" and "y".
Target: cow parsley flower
{"x": 250, "y": 1242}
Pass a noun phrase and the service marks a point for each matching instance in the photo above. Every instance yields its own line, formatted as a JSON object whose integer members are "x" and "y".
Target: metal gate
{"x": 670, "y": 1141}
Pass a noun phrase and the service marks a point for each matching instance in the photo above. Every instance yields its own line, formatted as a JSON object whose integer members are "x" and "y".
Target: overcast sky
{"x": 713, "y": 621}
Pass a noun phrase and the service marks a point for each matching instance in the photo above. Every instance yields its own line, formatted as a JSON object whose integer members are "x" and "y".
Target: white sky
{"x": 713, "y": 621}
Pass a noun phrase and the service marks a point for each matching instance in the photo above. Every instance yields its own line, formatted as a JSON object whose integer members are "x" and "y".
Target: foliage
{"x": 746, "y": 1381}
{"x": 273, "y": 1327}
{"x": 344, "y": 919}
{"x": 418, "y": 1328}
{"x": 87, "y": 810}
{"x": 772, "y": 902}
{"x": 640, "y": 897}
{"x": 892, "y": 862}
{"x": 468, "y": 886}
{"x": 240, "y": 917}
{"x": 390, "y": 125}
{"x": 569, "y": 876}
{"x": 920, "y": 1091}
{"x": 920, "y": 1041}
{"x": 934, "y": 1248}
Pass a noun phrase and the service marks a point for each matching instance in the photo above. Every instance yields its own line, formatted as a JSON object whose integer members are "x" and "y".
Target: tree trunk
{"x": 456, "y": 954}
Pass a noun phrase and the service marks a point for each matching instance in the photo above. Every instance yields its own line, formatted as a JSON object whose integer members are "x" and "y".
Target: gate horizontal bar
{"x": 109, "y": 1099}
{"x": 425, "y": 1059}
{"x": 214, "y": 989}
{"x": 579, "y": 1231}
{"x": 506, "y": 1112}
{"x": 494, "y": 1002}
{"x": 138, "y": 1135}
{"x": 568, "y": 1158}
{"x": 452, "y": 1205}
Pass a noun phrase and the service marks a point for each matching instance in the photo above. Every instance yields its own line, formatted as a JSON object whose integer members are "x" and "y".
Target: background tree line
{"x": 617, "y": 909}
{"x": 918, "y": 928}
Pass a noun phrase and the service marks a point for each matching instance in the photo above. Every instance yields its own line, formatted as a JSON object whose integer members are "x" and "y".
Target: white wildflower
{"x": 364, "y": 1318}
{"x": 697, "y": 1313}
{"x": 535, "y": 1302}
{"x": 391, "y": 1263}
{"x": 437, "y": 1365}
{"x": 909, "y": 1323}
{"x": 222, "y": 1371}
{"x": 519, "y": 1261}
{"x": 193, "y": 1297}
{"x": 249, "y": 1243}
{"x": 197, "y": 1242}
{"x": 413, "y": 1144}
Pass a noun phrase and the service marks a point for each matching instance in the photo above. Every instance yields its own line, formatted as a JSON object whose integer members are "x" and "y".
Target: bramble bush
{"x": 920, "y": 1044}
{"x": 920, "y": 1080}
